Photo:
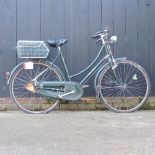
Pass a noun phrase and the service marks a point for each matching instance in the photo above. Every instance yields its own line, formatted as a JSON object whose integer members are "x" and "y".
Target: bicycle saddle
{"x": 56, "y": 43}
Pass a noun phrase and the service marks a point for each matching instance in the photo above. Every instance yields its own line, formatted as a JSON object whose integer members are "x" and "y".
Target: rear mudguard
{"x": 14, "y": 69}
{"x": 98, "y": 74}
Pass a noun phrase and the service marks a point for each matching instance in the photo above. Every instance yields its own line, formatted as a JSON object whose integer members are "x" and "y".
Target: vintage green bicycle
{"x": 37, "y": 85}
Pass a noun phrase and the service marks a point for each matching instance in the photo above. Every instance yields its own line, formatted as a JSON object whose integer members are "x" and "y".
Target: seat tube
{"x": 63, "y": 61}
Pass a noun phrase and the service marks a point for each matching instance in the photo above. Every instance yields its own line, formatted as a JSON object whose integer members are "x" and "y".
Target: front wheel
{"x": 22, "y": 89}
{"x": 125, "y": 88}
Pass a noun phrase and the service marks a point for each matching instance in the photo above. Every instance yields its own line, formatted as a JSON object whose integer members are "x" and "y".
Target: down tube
{"x": 85, "y": 79}
{"x": 94, "y": 61}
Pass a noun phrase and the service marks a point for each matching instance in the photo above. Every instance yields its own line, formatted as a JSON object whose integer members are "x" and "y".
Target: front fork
{"x": 110, "y": 56}
{"x": 112, "y": 61}
{"x": 114, "y": 66}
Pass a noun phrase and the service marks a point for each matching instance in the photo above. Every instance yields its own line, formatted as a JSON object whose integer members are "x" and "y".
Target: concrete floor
{"x": 77, "y": 133}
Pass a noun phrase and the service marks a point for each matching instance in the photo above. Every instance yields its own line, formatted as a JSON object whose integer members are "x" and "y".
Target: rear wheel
{"x": 23, "y": 92}
{"x": 125, "y": 88}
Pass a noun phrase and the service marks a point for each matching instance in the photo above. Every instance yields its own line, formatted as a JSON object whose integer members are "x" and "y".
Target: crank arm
{"x": 61, "y": 96}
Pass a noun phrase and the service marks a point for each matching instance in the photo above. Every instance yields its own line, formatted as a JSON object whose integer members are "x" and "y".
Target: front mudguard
{"x": 98, "y": 74}
{"x": 14, "y": 69}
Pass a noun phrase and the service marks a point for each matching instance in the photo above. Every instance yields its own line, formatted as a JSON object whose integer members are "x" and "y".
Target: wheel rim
{"x": 126, "y": 89}
{"x": 27, "y": 100}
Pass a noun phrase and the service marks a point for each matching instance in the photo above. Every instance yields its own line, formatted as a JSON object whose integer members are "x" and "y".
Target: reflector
{"x": 7, "y": 74}
{"x": 30, "y": 87}
{"x": 28, "y": 65}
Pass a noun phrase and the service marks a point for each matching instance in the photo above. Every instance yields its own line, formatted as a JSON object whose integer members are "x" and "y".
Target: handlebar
{"x": 103, "y": 36}
{"x": 96, "y": 35}
{"x": 103, "y": 33}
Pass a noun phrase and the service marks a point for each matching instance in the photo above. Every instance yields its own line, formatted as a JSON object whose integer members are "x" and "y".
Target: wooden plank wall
{"x": 133, "y": 21}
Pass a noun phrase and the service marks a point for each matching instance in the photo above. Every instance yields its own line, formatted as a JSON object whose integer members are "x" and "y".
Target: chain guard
{"x": 60, "y": 90}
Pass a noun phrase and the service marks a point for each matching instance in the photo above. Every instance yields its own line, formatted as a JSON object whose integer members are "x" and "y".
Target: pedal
{"x": 85, "y": 86}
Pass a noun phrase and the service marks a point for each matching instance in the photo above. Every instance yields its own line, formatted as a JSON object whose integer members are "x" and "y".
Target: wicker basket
{"x": 32, "y": 49}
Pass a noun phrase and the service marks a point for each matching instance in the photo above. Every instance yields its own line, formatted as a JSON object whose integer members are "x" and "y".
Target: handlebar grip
{"x": 95, "y": 36}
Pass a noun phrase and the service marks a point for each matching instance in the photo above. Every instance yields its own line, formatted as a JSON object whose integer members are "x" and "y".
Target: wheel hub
{"x": 123, "y": 86}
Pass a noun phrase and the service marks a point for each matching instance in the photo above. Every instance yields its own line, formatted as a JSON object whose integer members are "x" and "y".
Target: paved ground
{"x": 77, "y": 133}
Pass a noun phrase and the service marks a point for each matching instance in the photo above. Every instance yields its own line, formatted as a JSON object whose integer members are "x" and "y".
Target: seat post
{"x": 64, "y": 63}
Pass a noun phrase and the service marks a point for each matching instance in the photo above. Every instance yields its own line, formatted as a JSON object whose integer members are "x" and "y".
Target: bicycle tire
{"x": 127, "y": 91}
{"x": 37, "y": 104}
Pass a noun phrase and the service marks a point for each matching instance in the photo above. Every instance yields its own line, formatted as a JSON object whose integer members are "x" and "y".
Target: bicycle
{"x": 37, "y": 85}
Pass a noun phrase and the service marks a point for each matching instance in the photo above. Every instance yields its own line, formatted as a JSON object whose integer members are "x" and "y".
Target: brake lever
{"x": 99, "y": 32}
{"x": 97, "y": 40}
